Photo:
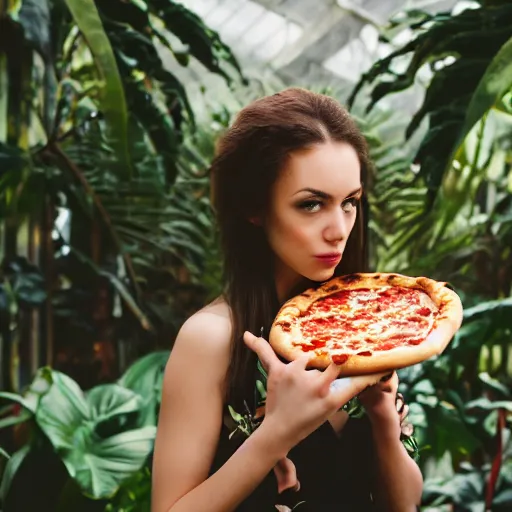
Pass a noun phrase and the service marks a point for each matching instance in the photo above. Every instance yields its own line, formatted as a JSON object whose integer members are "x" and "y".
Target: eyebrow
{"x": 325, "y": 195}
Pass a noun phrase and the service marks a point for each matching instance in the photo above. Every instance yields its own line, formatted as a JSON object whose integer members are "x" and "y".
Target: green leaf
{"x": 69, "y": 420}
{"x": 495, "y": 83}
{"x": 204, "y": 44}
{"x": 449, "y": 429}
{"x": 101, "y": 465}
{"x": 261, "y": 389}
{"x": 424, "y": 387}
{"x": 12, "y": 466}
{"x": 30, "y": 401}
{"x": 236, "y": 416}
{"x": 13, "y": 397}
{"x": 34, "y": 17}
{"x": 461, "y": 489}
{"x": 112, "y": 101}
{"x": 62, "y": 412}
{"x": 9, "y": 421}
{"x": 109, "y": 400}
{"x": 262, "y": 371}
{"x": 145, "y": 377}
{"x": 486, "y": 405}
{"x": 493, "y": 309}
{"x": 503, "y": 498}
{"x": 495, "y": 385}
{"x": 144, "y": 374}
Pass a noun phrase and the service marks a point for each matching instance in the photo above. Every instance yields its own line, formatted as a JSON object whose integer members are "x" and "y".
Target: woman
{"x": 287, "y": 184}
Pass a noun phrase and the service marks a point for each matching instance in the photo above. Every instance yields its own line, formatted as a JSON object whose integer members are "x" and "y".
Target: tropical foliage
{"x": 95, "y": 187}
{"x": 104, "y": 232}
{"x": 95, "y": 441}
{"x": 107, "y": 231}
{"x": 448, "y": 215}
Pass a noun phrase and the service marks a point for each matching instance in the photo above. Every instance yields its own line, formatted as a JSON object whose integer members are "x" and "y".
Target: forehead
{"x": 332, "y": 167}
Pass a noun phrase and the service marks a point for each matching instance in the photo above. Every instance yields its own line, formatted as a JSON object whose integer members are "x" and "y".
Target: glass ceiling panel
{"x": 302, "y": 42}
{"x": 254, "y": 31}
{"x": 304, "y": 33}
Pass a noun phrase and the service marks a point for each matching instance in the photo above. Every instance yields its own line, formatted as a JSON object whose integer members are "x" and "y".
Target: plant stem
{"x": 56, "y": 149}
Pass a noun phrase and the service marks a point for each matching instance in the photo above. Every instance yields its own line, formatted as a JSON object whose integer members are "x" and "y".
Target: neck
{"x": 288, "y": 282}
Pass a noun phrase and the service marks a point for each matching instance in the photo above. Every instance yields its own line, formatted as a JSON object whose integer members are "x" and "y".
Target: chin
{"x": 322, "y": 276}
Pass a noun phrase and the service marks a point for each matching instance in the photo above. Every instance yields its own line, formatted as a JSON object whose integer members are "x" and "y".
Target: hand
{"x": 286, "y": 475}
{"x": 298, "y": 400}
{"x": 379, "y": 402}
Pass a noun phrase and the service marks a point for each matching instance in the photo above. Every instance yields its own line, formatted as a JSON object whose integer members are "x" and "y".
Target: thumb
{"x": 286, "y": 475}
{"x": 343, "y": 390}
{"x": 263, "y": 350}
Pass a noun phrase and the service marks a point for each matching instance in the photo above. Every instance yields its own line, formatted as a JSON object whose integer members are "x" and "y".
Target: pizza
{"x": 368, "y": 322}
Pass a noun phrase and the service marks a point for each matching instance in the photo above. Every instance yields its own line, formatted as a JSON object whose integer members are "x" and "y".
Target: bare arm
{"x": 399, "y": 481}
{"x": 189, "y": 427}
{"x": 399, "y": 478}
{"x": 298, "y": 402}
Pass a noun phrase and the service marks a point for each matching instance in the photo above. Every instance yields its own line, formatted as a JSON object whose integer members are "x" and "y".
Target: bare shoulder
{"x": 206, "y": 337}
{"x": 190, "y": 416}
{"x": 217, "y": 313}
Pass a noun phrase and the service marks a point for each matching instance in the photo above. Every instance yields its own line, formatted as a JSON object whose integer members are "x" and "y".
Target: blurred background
{"x": 109, "y": 112}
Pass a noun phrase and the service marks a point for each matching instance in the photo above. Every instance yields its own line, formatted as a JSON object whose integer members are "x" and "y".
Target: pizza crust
{"x": 447, "y": 321}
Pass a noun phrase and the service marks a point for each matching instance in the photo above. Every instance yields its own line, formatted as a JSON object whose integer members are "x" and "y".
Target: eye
{"x": 349, "y": 205}
{"x": 311, "y": 205}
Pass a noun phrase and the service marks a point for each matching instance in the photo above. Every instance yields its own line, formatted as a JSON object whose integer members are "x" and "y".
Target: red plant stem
{"x": 496, "y": 463}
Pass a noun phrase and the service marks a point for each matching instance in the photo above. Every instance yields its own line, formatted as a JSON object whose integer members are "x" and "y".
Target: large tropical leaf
{"x": 112, "y": 98}
{"x": 109, "y": 400}
{"x": 145, "y": 377}
{"x": 70, "y": 419}
{"x": 493, "y": 86}
{"x": 99, "y": 466}
{"x": 498, "y": 311}
{"x": 468, "y": 39}
{"x": 205, "y": 44}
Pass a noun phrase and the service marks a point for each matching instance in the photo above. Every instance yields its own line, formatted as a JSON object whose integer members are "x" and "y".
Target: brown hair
{"x": 247, "y": 162}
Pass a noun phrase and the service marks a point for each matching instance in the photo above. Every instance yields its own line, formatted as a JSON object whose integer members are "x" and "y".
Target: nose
{"x": 338, "y": 228}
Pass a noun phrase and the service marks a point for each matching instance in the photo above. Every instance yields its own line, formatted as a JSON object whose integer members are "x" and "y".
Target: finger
{"x": 389, "y": 383}
{"x": 301, "y": 362}
{"x": 263, "y": 350}
{"x": 286, "y": 475}
{"x": 330, "y": 373}
{"x": 342, "y": 390}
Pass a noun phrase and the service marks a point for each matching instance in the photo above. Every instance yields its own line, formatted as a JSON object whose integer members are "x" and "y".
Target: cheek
{"x": 292, "y": 230}
{"x": 299, "y": 233}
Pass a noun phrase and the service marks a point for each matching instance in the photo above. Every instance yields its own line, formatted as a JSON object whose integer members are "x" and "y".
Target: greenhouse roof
{"x": 311, "y": 41}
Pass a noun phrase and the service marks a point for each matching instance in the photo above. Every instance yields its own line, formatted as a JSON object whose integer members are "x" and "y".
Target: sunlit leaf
{"x": 145, "y": 377}
{"x": 497, "y": 81}
{"x": 113, "y": 102}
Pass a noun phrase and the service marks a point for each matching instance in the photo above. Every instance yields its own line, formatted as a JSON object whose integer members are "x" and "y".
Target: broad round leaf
{"x": 62, "y": 411}
{"x": 69, "y": 419}
{"x": 109, "y": 400}
{"x": 104, "y": 464}
{"x": 145, "y": 378}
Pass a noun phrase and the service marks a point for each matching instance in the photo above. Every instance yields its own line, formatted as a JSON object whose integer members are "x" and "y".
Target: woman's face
{"x": 312, "y": 212}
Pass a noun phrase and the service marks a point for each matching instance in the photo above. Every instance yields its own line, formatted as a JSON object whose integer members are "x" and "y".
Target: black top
{"x": 335, "y": 472}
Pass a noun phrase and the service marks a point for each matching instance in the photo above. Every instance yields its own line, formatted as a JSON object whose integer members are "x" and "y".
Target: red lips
{"x": 331, "y": 258}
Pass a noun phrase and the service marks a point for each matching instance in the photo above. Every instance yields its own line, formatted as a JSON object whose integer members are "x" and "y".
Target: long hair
{"x": 247, "y": 162}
